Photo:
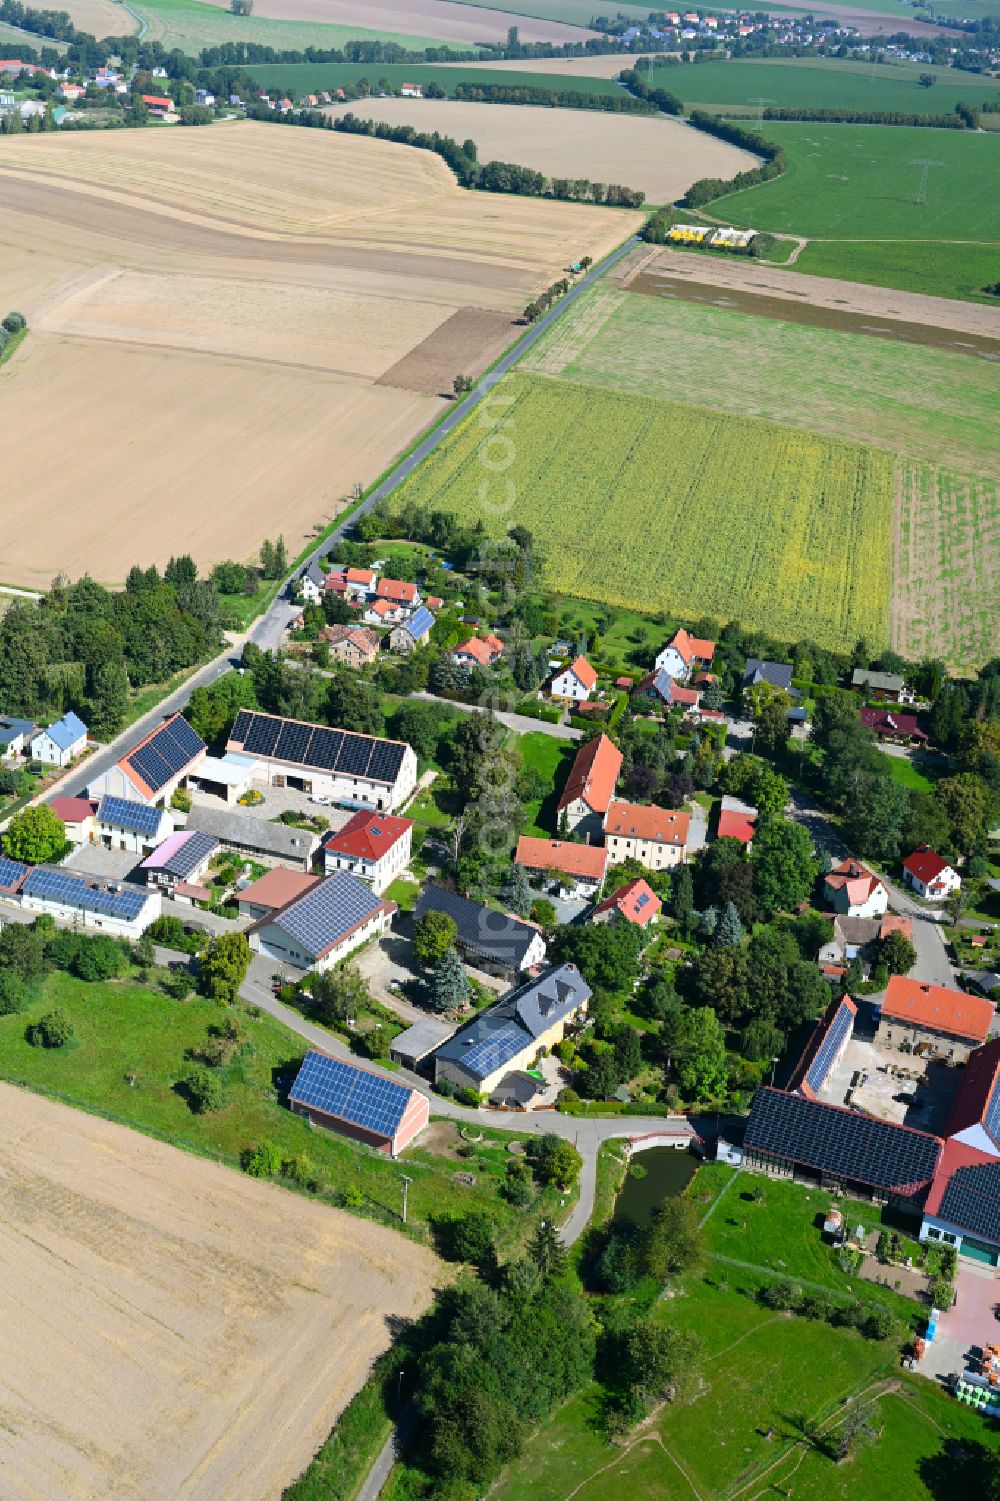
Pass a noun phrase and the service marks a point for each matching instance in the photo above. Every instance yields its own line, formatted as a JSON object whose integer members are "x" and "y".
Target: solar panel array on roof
{"x": 971, "y": 1200}
{"x": 312, "y": 745}
{"x": 138, "y": 818}
{"x": 188, "y": 856}
{"x": 350, "y": 1094}
{"x": 11, "y": 871}
{"x": 840, "y": 1142}
{"x": 72, "y": 891}
{"x": 165, "y": 754}
{"x": 837, "y": 1032}
{"x": 491, "y": 1052}
{"x": 323, "y": 915}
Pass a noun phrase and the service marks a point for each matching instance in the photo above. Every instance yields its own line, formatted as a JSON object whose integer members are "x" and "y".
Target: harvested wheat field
{"x": 660, "y": 156}
{"x": 445, "y": 19}
{"x": 175, "y": 1331}
{"x": 596, "y": 65}
{"x": 221, "y": 330}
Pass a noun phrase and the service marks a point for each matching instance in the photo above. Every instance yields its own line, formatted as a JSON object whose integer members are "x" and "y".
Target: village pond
{"x": 652, "y": 1176}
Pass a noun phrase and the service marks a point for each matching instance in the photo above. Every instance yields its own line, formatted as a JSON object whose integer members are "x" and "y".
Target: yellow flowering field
{"x": 657, "y": 506}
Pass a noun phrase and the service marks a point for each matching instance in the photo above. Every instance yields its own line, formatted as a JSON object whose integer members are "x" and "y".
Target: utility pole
{"x": 406, "y": 1184}
{"x": 925, "y": 163}
{"x": 761, "y": 103}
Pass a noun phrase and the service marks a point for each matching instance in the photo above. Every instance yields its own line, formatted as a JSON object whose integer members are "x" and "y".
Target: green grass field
{"x": 300, "y": 78}
{"x": 853, "y": 186}
{"x": 190, "y": 26}
{"x": 658, "y": 506}
{"x": 128, "y": 1029}
{"x": 774, "y": 1386}
{"x": 907, "y": 774}
{"x": 927, "y": 403}
{"x": 820, "y": 83}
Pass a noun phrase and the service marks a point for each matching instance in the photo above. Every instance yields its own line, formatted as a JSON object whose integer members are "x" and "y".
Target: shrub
{"x": 182, "y": 800}
{"x": 14, "y": 323}
{"x": 13, "y": 993}
{"x": 100, "y": 958}
{"x": 53, "y": 1030}
{"x": 469, "y": 1097}
{"x": 783, "y": 1295}
{"x": 262, "y": 1161}
{"x": 204, "y": 1091}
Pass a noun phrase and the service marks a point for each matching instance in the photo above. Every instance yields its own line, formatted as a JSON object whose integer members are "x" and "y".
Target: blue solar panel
{"x": 165, "y": 753}
{"x": 419, "y": 622}
{"x": 328, "y": 911}
{"x": 11, "y": 872}
{"x": 74, "y": 891}
{"x": 351, "y": 1094}
{"x": 139, "y": 818}
{"x": 494, "y": 1050}
{"x": 838, "y": 1030}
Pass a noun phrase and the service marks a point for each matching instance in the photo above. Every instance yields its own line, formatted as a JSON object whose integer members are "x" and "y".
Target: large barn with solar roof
{"x": 361, "y": 771}
{"x": 154, "y": 768}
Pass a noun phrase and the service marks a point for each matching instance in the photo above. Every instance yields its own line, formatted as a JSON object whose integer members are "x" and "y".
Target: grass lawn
{"x": 853, "y": 186}
{"x": 661, "y": 468}
{"x": 553, "y": 758}
{"x": 302, "y": 78}
{"x": 432, "y": 806}
{"x": 404, "y": 893}
{"x": 126, "y": 1028}
{"x": 932, "y": 404}
{"x": 909, "y": 775}
{"x": 821, "y": 83}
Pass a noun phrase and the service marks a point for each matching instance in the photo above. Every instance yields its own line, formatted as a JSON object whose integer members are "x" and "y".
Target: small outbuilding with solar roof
{"x": 125, "y": 824}
{"x": 357, "y": 1102}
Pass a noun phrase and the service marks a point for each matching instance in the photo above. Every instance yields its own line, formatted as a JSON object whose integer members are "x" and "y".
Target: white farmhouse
{"x": 61, "y": 743}
{"x": 576, "y": 682}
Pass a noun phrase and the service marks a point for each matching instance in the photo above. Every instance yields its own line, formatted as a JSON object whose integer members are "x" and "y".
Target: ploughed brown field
{"x": 173, "y": 1330}
{"x": 231, "y": 327}
{"x": 661, "y": 157}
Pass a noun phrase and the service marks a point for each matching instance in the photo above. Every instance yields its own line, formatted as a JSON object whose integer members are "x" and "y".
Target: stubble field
{"x": 660, "y": 156}
{"x": 445, "y": 19}
{"x": 173, "y": 1330}
{"x": 217, "y": 321}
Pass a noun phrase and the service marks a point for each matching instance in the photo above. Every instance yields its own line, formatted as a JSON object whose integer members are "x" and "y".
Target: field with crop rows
{"x": 855, "y": 191}
{"x": 946, "y": 593}
{"x": 657, "y": 506}
{"x": 932, "y": 404}
{"x": 820, "y": 83}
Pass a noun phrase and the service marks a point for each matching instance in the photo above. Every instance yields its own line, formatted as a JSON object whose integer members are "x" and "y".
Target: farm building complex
{"x": 352, "y": 769}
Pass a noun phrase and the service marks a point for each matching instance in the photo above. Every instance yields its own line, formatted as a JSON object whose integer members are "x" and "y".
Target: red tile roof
{"x": 483, "y": 650}
{"x": 798, "y": 1081}
{"x": 277, "y": 888}
{"x": 363, "y": 576}
{"x": 938, "y": 1008}
{"x": 395, "y": 589}
{"x": 367, "y": 836}
{"x": 366, "y": 641}
{"x": 893, "y": 924}
{"x": 637, "y": 903}
{"x": 859, "y": 882}
{"x": 741, "y": 826}
{"x": 979, "y": 1079}
{"x": 693, "y": 648}
{"x": 593, "y": 775}
{"x": 891, "y": 722}
{"x": 582, "y": 669}
{"x": 955, "y": 1155}
{"x": 381, "y": 608}
{"x": 647, "y": 821}
{"x": 623, "y": 682}
{"x": 157, "y": 101}
{"x": 589, "y": 860}
{"x": 925, "y": 864}
{"x": 689, "y": 696}
{"x": 73, "y": 809}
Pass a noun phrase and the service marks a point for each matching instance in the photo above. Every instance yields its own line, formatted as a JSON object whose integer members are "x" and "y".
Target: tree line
{"x": 963, "y": 118}
{"x": 660, "y": 99}
{"x": 508, "y": 93}
{"x": 774, "y": 161}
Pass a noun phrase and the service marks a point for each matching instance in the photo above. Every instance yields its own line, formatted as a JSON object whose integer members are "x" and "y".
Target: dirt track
{"x": 174, "y": 1331}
